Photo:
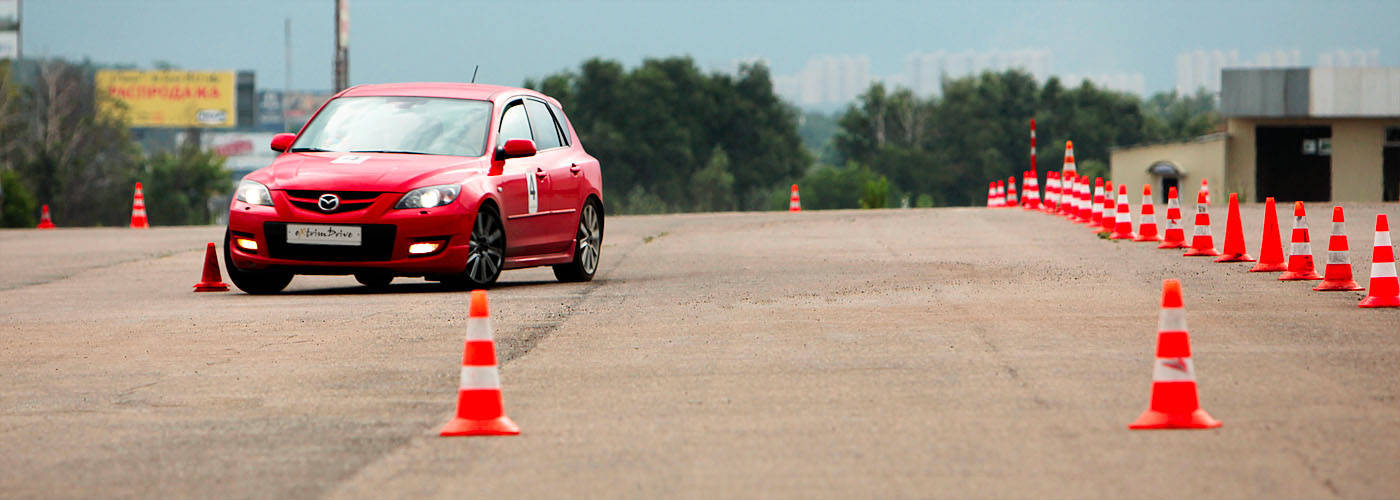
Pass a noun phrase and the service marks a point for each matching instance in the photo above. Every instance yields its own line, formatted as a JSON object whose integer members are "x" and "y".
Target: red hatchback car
{"x": 452, "y": 182}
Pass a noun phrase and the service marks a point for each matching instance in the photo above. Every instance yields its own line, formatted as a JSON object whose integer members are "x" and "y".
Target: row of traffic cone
{"x": 138, "y": 213}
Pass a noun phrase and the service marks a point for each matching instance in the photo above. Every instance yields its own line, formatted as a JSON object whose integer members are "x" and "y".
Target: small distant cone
{"x": 1108, "y": 219}
{"x": 1052, "y": 191}
{"x": 1147, "y": 224}
{"x": 1271, "y": 247}
{"x": 795, "y": 202}
{"x": 991, "y": 196}
{"x": 138, "y": 209}
{"x": 212, "y": 281}
{"x": 1001, "y": 194}
{"x": 1338, "y": 273}
{"x": 1300, "y": 255}
{"x": 1069, "y": 166}
{"x": 1086, "y": 208}
{"x": 45, "y": 222}
{"x": 1123, "y": 219}
{"x": 1032, "y": 191}
{"x": 1234, "y": 234}
{"x": 480, "y": 410}
{"x": 1205, "y": 188}
{"x": 1096, "y": 206}
{"x": 1174, "y": 236}
{"x": 1385, "y": 289}
{"x": 1011, "y": 191}
{"x": 1174, "y": 403}
{"x": 1202, "y": 244}
{"x": 1069, "y": 192}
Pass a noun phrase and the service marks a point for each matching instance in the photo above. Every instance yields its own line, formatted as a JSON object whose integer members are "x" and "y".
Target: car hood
{"x": 383, "y": 172}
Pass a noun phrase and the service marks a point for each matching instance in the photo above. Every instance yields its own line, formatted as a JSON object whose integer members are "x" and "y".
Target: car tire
{"x": 254, "y": 282}
{"x": 486, "y": 254}
{"x": 588, "y": 245}
{"x": 375, "y": 281}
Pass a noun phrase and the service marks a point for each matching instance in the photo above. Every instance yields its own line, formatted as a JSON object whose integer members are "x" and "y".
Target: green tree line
{"x": 56, "y": 149}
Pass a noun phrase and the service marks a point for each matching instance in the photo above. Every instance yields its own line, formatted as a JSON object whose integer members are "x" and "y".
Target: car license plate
{"x": 307, "y": 234}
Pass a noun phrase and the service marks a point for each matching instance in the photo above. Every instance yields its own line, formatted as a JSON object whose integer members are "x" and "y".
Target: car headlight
{"x": 253, "y": 193}
{"x": 429, "y": 197}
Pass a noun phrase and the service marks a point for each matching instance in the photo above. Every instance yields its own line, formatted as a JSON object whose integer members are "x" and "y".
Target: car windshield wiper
{"x": 310, "y": 150}
{"x": 389, "y": 151}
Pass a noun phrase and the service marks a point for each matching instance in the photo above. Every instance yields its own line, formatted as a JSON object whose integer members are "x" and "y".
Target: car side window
{"x": 562, "y": 122}
{"x": 546, "y": 133}
{"x": 515, "y": 124}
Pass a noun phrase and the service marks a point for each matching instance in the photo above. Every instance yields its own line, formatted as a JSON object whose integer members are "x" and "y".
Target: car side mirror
{"x": 281, "y": 142}
{"x": 516, "y": 148}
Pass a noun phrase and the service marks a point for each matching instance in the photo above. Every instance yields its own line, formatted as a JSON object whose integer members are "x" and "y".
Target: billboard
{"x": 169, "y": 98}
{"x": 9, "y": 29}
{"x": 295, "y": 107}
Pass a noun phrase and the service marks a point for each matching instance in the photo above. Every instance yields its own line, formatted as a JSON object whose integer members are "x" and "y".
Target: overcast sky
{"x": 413, "y": 40}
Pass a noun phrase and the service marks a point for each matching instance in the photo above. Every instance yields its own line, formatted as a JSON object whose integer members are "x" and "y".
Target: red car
{"x": 452, "y": 182}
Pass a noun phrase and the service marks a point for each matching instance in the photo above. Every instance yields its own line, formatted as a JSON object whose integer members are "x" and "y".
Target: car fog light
{"x": 247, "y": 244}
{"x": 425, "y": 247}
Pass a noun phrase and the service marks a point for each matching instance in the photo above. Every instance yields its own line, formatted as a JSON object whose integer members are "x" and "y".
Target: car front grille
{"x": 350, "y": 201}
{"x": 376, "y": 244}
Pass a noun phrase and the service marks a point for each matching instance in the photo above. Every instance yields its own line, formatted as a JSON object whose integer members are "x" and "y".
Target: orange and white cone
{"x": 1001, "y": 194}
{"x": 795, "y": 202}
{"x": 1174, "y": 402}
{"x": 1202, "y": 244}
{"x": 138, "y": 209}
{"x": 480, "y": 408}
{"x": 1270, "y": 246}
{"x": 1384, "y": 288}
{"x": 1052, "y": 191}
{"x": 1300, "y": 254}
{"x": 1085, "y": 197}
{"x": 1075, "y": 208}
{"x": 1096, "y": 206}
{"x": 1205, "y": 188}
{"x": 1011, "y": 192}
{"x": 1108, "y": 220}
{"x": 1234, "y": 235}
{"x": 1069, "y": 172}
{"x": 991, "y": 195}
{"x": 1174, "y": 236}
{"x": 45, "y": 222}
{"x": 1337, "y": 277}
{"x": 212, "y": 280}
{"x": 1147, "y": 224}
{"x": 1032, "y": 191}
{"x": 1123, "y": 219}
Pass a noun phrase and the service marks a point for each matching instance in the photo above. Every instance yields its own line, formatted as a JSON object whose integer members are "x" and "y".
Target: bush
{"x": 18, "y": 208}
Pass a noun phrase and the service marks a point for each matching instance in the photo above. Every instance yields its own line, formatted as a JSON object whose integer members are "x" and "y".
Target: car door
{"x": 520, "y": 188}
{"x": 559, "y": 189}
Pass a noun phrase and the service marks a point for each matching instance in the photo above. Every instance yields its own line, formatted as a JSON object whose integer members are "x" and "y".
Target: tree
{"x": 712, "y": 188}
{"x": 180, "y": 185}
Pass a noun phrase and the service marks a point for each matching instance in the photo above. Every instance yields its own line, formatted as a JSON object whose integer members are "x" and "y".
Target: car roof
{"x": 478, "y": 91}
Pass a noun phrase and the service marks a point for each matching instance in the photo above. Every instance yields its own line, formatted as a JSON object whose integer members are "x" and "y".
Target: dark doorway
{"x": 1293, "y": 163}
{"x": 1390, "y": 166}
{"x": 1170, "y": 175}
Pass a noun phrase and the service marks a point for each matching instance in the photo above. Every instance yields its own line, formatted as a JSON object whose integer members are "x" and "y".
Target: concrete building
{"x": 1308, "y": 134}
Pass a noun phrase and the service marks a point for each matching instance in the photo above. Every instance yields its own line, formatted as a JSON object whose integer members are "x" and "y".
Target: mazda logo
{"x": 328, "y": 202}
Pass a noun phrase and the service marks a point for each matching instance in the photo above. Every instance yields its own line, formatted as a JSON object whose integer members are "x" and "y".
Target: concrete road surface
{"x": 949, "y": 353}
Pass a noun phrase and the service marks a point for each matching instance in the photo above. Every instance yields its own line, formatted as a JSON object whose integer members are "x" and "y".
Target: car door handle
{"x": 575, "y": 168}
{"x": 539, "y": 172}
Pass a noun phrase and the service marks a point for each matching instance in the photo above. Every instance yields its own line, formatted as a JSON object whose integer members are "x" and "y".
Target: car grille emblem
{"x": 328, "y": 202}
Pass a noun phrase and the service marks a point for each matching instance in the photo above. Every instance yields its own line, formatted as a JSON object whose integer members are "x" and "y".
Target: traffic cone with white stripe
{"x": 1202, "y": 244}
{"x": 1174, "y": 236}
{"x": 1385, "y": 289}
{"x": 1300, "y": 255}
{"x": 795, "y": 201}
{"x": 1205, "y": 188}
{"x": 1271, "y": 247}
{"x": 1011, "y": 192}
{"x": 1096, "y": 208}
{"x": 1052, "y": 191}
{"x": 1032, "y": 191}
{"x": 480, "y": 408}
{"x": 1147, "y": 225}
{"x": 1337, "y": 277}
{"x": 1001, "y": 194}
{"x": 1085, "y": 206}
{"x": 1108, "y": 219}
{"x": 991, "y": 195}
{"x": 138, "y": 209}
{"x": 1174, "y": 402}
{"x": 1123, "y": 219}
{"x": 1234, "y": 234}
{"x": 44, "y": 221}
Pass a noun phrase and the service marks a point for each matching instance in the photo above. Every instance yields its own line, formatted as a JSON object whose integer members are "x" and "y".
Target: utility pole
{"x": 342, "y": 45}
{"x": 287, "y": 84}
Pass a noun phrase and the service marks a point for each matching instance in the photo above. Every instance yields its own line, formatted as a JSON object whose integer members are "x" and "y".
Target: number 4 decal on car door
{"x": 534, "y": 192}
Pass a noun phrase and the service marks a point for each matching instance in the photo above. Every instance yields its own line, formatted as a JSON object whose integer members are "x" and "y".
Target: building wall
{"x": 1357, "y": 148}
{"x": 1204, "y": 158}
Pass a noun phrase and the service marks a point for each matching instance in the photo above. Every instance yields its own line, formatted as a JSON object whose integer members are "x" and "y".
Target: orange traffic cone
{"x": 212, "y": 281}
{"x": 1300, "y": 255}
{"x": 1032, "y": 191}
{"x": 480, "y": 408}
{"x": 991, "y": 195}
{"x": 1147, "y": 225}
{"x": 1109, "y": 215}
{"x": 1337, "y": 276}
{"x": 1202, "y": 244}
{"x": 1096, "y": 206}
{"x": 1174, "y": 403}
{"x": 1123, "y": 220}
{"x": 44, "y": 221}
{"x": 1085, "y": 205}
{"x": 1385, "y": 289}
{"x": 1001, "y": 194}
{"x": 1205, "y": 188}
{"x": 138, "y": 209}
{"x": 1011, "y": 192}
{"x": 1052, "y": 191}
{"x": 1234, "y": 234}
{"x": 1271, "y": 247}
{"x": 795, "y": 202}
{"x": 1174, "y": 236}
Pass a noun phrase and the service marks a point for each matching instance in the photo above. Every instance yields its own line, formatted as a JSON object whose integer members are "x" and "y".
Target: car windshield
{"x": 397, "y": 124}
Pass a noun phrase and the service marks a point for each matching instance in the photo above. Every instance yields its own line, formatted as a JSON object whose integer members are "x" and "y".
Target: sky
{"x": 443, "y": 40}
